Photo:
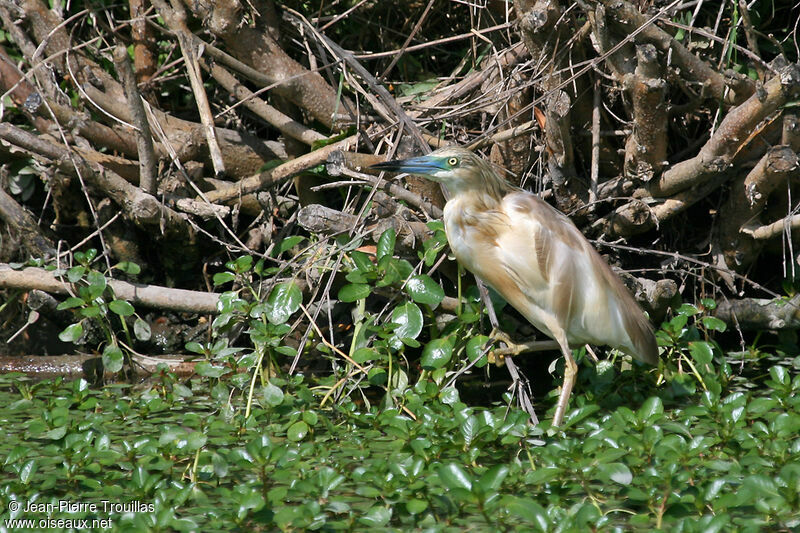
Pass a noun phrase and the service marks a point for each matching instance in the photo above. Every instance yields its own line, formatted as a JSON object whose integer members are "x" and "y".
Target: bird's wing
{"x": 562, "y": 275}
{"x": 543, "y": 253}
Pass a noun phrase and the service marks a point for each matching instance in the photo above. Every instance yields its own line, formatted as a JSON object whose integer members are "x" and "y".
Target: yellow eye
{"x": 453, "y": 161}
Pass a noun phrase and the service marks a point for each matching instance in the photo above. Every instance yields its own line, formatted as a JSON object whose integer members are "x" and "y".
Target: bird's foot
{"x": 497, "y": 356}
{"x": 514, "y": 348}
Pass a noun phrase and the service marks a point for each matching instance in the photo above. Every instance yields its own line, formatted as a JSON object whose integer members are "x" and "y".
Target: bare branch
{"x": 754, "y": 314}
{"x": 150, "y": 296}
{"x": 25, "y": 226}
{"x": 732, "y": 135}
{"x": 144, "y": 139}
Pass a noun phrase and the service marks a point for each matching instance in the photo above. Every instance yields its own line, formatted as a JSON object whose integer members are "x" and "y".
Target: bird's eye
{"x": 453, "y": 161}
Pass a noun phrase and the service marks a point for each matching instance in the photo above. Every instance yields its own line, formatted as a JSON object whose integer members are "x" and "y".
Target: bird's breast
{"x": 475, "y": 236}
{"x": 472, "y": 233}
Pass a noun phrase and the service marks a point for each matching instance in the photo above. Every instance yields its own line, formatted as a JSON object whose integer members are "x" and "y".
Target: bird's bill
{"x": 423, "y": 166}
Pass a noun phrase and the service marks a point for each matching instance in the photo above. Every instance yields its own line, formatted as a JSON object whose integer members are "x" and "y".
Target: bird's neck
{"x": 477, "y": 200}
{"x": 485, "y": 191}
{"x": 484, "y": 196}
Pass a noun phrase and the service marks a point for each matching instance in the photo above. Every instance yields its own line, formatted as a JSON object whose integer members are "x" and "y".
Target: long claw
{"x": 501, "y": 336}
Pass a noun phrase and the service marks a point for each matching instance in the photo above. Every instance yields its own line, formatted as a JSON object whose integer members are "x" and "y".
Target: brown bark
{"x": 175, "y": 18}
{"x": 144, "y": 139}
{"x": 692, "y": 67}
{"x": 544, "y": 34}
{"x": 22, "y": 223}
{"x": 733, "y": 133}
{"x": 256, "y": 47}
{"x": 619, "y": 51}
{"x": 85, "y": 366}
{"x": 327, "y": 221}
{"x": 746, "y": 200}
{"x": 689, "y": 181}
{"x": 242, "y": 152}
{"x": 49, "y": 30}
{"x": 646, "y": 149}
{"x": 569, "y": 194}
{"x": 754, "y": 314}
{"x": 337, "y": 166}
{"x": 145, "y": 56}
{"x": 150, "y": 296}
{"x": 274, "y": 117}
{"x": 268, "y": 178}
{"x": 140, "y": 207}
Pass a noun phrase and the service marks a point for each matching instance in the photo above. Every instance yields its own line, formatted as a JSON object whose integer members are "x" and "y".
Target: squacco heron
{"x": 535, "y": 258}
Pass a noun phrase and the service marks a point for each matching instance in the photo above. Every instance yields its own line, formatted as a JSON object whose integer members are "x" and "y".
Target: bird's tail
{"x": 641, "y": 334}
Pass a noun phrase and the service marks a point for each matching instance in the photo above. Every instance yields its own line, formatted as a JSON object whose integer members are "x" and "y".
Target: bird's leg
{"x": 570, "y": 371}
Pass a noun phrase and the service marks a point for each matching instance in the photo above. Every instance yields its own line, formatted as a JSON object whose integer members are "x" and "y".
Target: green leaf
{"x": 712, "y": 322}
{"x": 377, "y": 516}
{"x": 71, "y": 333}
{"x": 576, "y": 415}
{"x": 493, "y": 478}
{"x": 128, "y": 267}
{"x": 393, "y": 270}
{"x": 91, "y": 311}
{"x": 687, "y": 310}
{"x": 113, "y": 358}
{"x": 362, "y": 261}
{"x": 75, "y": 274}
{"x": 702, "y": 352}
{"x": 97, "y": 284}
{"x": 243, "y": 264}
{"x": 653, "y": 406}
{"x": 27, "y": 470}
{"x": 469, "y": 429}
{"x": 475, "y": 350}
{"x": 424, "y": 290}
{"x": 409, "y": 319}
{"x": 121, "y": 307}
{"x": 527, "y": 509}
{"x": 55, "y": 433}
{"x": 416, "y": 506}
{"x": 433, "y": 246}
{"x": 708, "y": 303}
{"x": 195, "y": 347}
{"x": 70, "y": 303}
{"x": 204, "y": 368}
{"x": 141, "y": 330}
{"x": 543, "y": 475}
{"x": 779, "y": 374}
{"x": 354, "y": 291}
{"x": 454, "y": 477}
{"x": 311, "y": 418}
{"x": 272, "y": 394}
{"x": 297, "y": 431}
{"x": 220, "y": 278}
{"x": 449, "y": 396}
{"x": 386, "y": 243}
{"x": 290, "y": 242}
{"x": 283, "y": 301}
{"x": 436, "y": 353}
{"x": 377, "y": 376}
{"x": 617, "y": 472}
{"x": 362, "y": 355}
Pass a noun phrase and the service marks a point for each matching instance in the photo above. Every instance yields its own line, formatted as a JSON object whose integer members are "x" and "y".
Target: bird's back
{"x": 537, "y": 259}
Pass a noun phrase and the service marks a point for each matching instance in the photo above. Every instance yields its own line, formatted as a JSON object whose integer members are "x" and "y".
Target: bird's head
{"x": 456, "y": 168}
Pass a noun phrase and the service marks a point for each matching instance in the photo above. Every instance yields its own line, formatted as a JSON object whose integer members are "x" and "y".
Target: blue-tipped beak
{"x": 423, "y": 166}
